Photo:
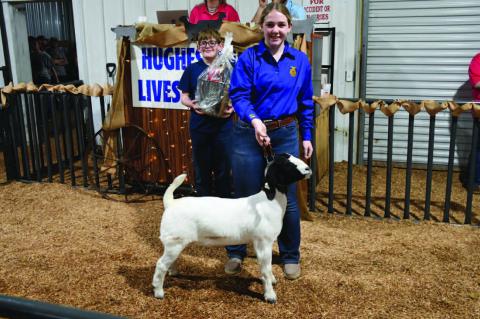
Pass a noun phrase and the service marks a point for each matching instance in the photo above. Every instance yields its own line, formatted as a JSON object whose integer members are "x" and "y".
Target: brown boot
{"x": 233, "y": 266}
{"x": 291, "y": 271}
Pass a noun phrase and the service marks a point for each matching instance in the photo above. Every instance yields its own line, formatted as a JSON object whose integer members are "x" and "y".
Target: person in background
{"x": 474, "y": 77}
{"x": 210, "y": 135}
{"x": 297, "y": 12}
{"x": 42, "y": 64}
{"x": 59, "y": 57}
{"x": 271, "y": 89}
{"x": 211, "y": 9}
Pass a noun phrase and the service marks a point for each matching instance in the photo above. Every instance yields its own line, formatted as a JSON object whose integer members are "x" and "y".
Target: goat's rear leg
{"x": 263, "y": 249}
{"x": 170, "y": 254}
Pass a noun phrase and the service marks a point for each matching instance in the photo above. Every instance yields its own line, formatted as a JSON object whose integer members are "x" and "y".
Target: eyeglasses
{"x": 211, "y": 43}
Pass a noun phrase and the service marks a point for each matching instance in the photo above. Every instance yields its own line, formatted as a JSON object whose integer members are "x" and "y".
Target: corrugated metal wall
{"x": 50, "y": 19}
{"x": 420, "y": 49}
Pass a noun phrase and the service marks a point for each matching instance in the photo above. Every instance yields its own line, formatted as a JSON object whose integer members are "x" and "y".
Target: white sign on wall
{"x": 156, "y": 74}
{"x": 320, "y": 10}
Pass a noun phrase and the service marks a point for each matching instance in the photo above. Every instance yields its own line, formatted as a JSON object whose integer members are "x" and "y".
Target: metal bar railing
{"x": 428, "y": 190}
{"x": 15, "y": 307}
{"x": 102, "y": 108}
{"x": 331, "y": 157}
{"x": 388, "y": 186}
{"x": 313, "y": 165}
{"x": 410, "y": 155}
{"x": 56, "y": 137}
{"x": 451, "y": 158}
{"x": 67, "y": 137}
{"x": 29, "y": 132}
{"x": 351, "y": 127}
{"x": 46, "y": 131}
{"x": 46, "y": 137}
{"x": 471, "y": 173}
{"x": 368, "y": 191}
{"x": 23, "y": 138}
{"x": 91, "y": 138}
{"x": 81, "y": 139}
{"x": 34, "y": 140}
{"x": 408, "y": 176}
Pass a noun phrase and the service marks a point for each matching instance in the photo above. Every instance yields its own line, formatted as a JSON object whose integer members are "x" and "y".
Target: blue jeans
{"x": 248, "y": 166}
{"x": 211, "y": 162}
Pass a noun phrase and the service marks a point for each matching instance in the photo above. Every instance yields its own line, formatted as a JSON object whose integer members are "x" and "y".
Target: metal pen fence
{"x": 50, "y": 136}
{"x": 370, "y": 113}
{"x": 45, "y": 133}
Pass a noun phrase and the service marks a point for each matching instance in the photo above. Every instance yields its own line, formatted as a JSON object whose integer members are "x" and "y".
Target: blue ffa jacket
{"x": 263, "y": 88}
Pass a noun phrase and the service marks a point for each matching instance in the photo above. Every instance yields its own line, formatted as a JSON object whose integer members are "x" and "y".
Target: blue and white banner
{"x": 156, "y": 73}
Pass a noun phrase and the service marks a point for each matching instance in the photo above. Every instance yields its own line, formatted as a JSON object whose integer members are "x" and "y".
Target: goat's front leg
{"x": 170, "y": 254}
{"x": 263, "y": 249}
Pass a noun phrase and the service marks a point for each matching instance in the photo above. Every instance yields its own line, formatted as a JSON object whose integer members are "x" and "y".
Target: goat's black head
{"x": 284, "y": 170}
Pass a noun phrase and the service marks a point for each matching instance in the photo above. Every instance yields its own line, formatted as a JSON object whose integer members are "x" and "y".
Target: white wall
{"x": 16, "y": 29}
{"x": 96, "y": 42}
{"x": 344, "y": 19}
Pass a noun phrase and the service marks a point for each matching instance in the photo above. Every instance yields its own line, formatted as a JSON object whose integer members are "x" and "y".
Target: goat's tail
{"x": 168, "y": 196}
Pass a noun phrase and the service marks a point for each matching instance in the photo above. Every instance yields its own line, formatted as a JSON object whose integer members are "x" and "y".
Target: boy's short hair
{"x": 209, "y": 34}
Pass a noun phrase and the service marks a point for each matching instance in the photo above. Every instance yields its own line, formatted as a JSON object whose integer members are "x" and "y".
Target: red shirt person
{"x": 474, "y": 75}
{"x": 211, "y": 9}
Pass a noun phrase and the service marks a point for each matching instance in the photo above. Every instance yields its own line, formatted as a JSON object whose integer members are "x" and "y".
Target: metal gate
{"x": 419, "y": 50}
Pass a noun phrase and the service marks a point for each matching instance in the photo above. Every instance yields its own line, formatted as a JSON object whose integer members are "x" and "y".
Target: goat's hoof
{"x": 158, "y": 293}
{"x": 271, "y": 297}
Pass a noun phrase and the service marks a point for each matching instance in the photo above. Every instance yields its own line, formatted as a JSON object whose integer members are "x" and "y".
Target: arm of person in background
{"x": 194, "y": 14}
{"x": 261, "y": 6}
{"x": 60, "y": 59}
{"x": 233, "y": 15}
{"x": 54, "y": 74}
{"x": 49, "y": 64}
{"x": 474, "y": 72}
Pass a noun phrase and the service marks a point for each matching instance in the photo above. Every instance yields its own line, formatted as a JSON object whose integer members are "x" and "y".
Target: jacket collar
{"x": 262, "y": 49}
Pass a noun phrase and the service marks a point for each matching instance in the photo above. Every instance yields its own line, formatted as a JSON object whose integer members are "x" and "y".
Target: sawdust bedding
{"x": 69, "y": 246}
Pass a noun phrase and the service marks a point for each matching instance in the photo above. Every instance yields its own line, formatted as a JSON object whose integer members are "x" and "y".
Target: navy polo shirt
{"x": 188, "y": 84}
{"x": 263, "y": 88}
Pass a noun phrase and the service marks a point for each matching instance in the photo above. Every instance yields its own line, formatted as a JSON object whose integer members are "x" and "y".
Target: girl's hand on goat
{"x": 261, "y": 132}
{"x": 307, "y": 149}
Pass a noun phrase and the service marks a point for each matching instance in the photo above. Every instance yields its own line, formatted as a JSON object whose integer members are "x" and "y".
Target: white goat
{"x": 213, "y": 221}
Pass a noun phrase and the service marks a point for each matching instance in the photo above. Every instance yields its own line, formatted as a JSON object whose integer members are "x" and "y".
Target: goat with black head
{"x": 214, "y": 221}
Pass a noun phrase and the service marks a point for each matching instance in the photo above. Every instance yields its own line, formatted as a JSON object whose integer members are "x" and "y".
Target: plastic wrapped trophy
{"x": 213, "y": 83}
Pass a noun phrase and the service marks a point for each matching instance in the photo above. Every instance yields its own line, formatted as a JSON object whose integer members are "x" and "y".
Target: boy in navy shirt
{"x": 210, "y": 135}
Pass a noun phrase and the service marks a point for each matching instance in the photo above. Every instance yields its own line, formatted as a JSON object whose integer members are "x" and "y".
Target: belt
{"x": 274, "y": 124}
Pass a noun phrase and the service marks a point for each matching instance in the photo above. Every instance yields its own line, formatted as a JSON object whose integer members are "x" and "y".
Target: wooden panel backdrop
{"x": 168, "y": 127}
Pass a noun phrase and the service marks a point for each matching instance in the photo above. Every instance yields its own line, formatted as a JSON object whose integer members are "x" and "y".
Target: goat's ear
{"x": 269, "y": 192}
{"x": 271, "y": 176}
